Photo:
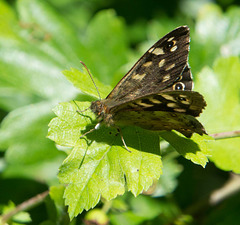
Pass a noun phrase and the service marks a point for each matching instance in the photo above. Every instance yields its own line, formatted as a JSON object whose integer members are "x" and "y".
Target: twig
{"x": 216, "y": 197}
{"x": 229, "y": 188}
{"x": 229, "y": 134}
{"x": 24, "y": 206}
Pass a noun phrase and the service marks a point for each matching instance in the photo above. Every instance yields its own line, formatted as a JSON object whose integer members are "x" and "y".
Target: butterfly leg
{"x": 123, "y": 141}
{"x": 90, "y": 131}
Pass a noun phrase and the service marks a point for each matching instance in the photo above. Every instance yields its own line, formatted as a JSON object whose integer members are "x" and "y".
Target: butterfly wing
{"x": 183, "y": 82}
{"x": 161, "y": 66}
{"x": 170, "y": 110}
{"x": 162, "y": 120}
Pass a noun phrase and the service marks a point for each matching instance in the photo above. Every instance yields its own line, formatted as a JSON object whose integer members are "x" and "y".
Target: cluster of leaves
{"x": 36, "y": 44}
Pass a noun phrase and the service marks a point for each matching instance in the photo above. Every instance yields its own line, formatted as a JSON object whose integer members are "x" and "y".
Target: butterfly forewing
{"x": 183, "y": 82}
{"x": 156, "y": 70}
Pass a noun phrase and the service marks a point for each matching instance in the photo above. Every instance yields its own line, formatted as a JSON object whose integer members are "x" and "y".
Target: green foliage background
{"x": 40, "y": 39}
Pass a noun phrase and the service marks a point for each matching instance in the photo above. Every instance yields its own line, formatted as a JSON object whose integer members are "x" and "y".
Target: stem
{"x": 229, "y": 134}
{"x": 216, "y": 197}
{"x": 107, "y": 206}
{"x": 25, "y": 205}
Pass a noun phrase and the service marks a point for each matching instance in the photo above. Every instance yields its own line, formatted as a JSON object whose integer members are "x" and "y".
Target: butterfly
{"x": 156, "y": 94}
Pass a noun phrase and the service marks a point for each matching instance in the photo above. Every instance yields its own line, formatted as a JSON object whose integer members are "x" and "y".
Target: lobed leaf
{"x": 107, "y": 167}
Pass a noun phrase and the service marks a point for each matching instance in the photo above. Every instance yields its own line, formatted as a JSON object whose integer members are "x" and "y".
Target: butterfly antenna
{"x": 91, "y": 78}
{"x": 90, "y": 131}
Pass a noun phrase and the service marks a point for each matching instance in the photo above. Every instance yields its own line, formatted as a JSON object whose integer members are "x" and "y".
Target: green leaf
{"x": 169, "y": 178}
{"x": 56, "y": 207}
{"x": 106, "y": 59}
{"x": 19, "y": 218}
{"x": 56, "y": 194}
{"x": 100, "y": 158}
{"x": 44, "y": 23}
{"x": 215, "y": 34}
{"x": 82, "y": 81}
{"x": 226, "y": 154}
{"x": 221, "y": 86}
{"x": 195, "y": 148}
{"x": 144, "y": 208}
{"x": 106, "y": 163}
{"x": 31, "y": 65}
{"x": 23, "y": 130}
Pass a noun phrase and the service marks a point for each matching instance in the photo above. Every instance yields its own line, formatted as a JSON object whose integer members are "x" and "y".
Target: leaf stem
{"x": 107, "y": 206}
{"x": 228, "y": 134}
{"x": 24, "y": 206}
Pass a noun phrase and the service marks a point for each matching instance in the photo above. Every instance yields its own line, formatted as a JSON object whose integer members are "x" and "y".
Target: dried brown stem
{"x": 229, "y": 134}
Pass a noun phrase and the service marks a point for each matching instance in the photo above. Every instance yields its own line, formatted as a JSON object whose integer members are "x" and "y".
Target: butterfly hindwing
{"x": 188, "y": 102}
{"x": 170, "y": 110}
{"x": 157, "y": 69}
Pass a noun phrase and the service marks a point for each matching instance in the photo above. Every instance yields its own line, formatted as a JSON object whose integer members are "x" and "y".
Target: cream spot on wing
{"x": 158, "y": 51}
{"x": 170, "y": 67}
{"x": 183, "y": 96}
{"x": 166, "y": 78}
{"x": 147, "y": 64}
{"x": 150, "y": 50}
{"x": 168, "y": 97}
{"x": 161, "y": 63}
{"x": 139, "y": 102}
{"x": 145, "y": 104}
{"x": 171, "y": 38}
{"x": 138, "y": 76}
{"x": 180, "y": 110}
{"x": 172, "y": 105}
{"x": 174, "y": 48}
{"x": 153, "y": 100}
{"x": 185, "y": 102}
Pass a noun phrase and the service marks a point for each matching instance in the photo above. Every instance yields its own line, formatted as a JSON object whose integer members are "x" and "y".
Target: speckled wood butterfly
{"x": 156, "y": 94}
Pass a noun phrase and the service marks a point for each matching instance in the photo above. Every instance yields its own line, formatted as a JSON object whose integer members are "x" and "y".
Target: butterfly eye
{"x": 179, "y": 86}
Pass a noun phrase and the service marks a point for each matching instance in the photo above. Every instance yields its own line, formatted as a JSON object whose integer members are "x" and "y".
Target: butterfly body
{"x": 156, "y": 94}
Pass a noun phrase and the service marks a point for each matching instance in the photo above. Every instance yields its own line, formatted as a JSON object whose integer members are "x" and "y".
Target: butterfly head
{"x": 100, "y": 109}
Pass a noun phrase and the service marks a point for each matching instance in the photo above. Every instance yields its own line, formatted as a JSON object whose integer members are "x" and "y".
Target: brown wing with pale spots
{"x": 187, "y": 102}
{"x": 160, "y": 67}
